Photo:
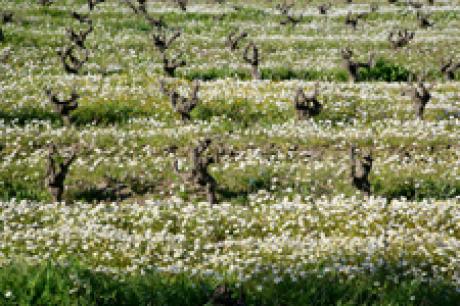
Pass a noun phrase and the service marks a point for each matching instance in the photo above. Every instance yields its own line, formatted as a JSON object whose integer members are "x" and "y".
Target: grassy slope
{"x": 127, "y": 127}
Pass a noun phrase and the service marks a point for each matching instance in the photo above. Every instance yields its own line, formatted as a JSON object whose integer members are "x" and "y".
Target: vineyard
{"x": 254, "y": 152}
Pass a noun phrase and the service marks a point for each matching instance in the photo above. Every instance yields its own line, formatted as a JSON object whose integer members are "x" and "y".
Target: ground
{"x": 287, "y": 210}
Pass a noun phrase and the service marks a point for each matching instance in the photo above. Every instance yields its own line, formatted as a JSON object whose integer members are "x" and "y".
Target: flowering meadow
{"x": 105, "y": 203}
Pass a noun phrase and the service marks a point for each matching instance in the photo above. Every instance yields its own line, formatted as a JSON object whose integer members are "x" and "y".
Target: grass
{"x": 272, "y": 74}
{"x": 385, "y": 71}
{"x": 416, "y": 187}
{"x": 291, "y": 229}
{"x": 73, "y": 284}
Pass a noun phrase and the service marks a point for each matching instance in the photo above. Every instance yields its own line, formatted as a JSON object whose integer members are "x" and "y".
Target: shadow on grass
{"x": 22, "y": 190}
{"x": 95, "y": 194}
{"x": 227, "y": 195}
{"x": 414, "y": 188}
{"x": 383, "y": 71}
{"x": 273, "y": 74}
{"x": 98, "y": 113}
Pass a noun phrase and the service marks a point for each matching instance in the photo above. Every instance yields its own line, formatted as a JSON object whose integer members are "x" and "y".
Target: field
{"x": 267, "y": 214}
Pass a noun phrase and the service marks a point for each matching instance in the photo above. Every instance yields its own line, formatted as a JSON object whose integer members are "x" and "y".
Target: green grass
{"x": 385, "y": 71}
{"x": 214, "y": 74}
{"x": 73, "y": 284}
{"x": 273, "y": 74}
{"x": 415, "y": 187}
